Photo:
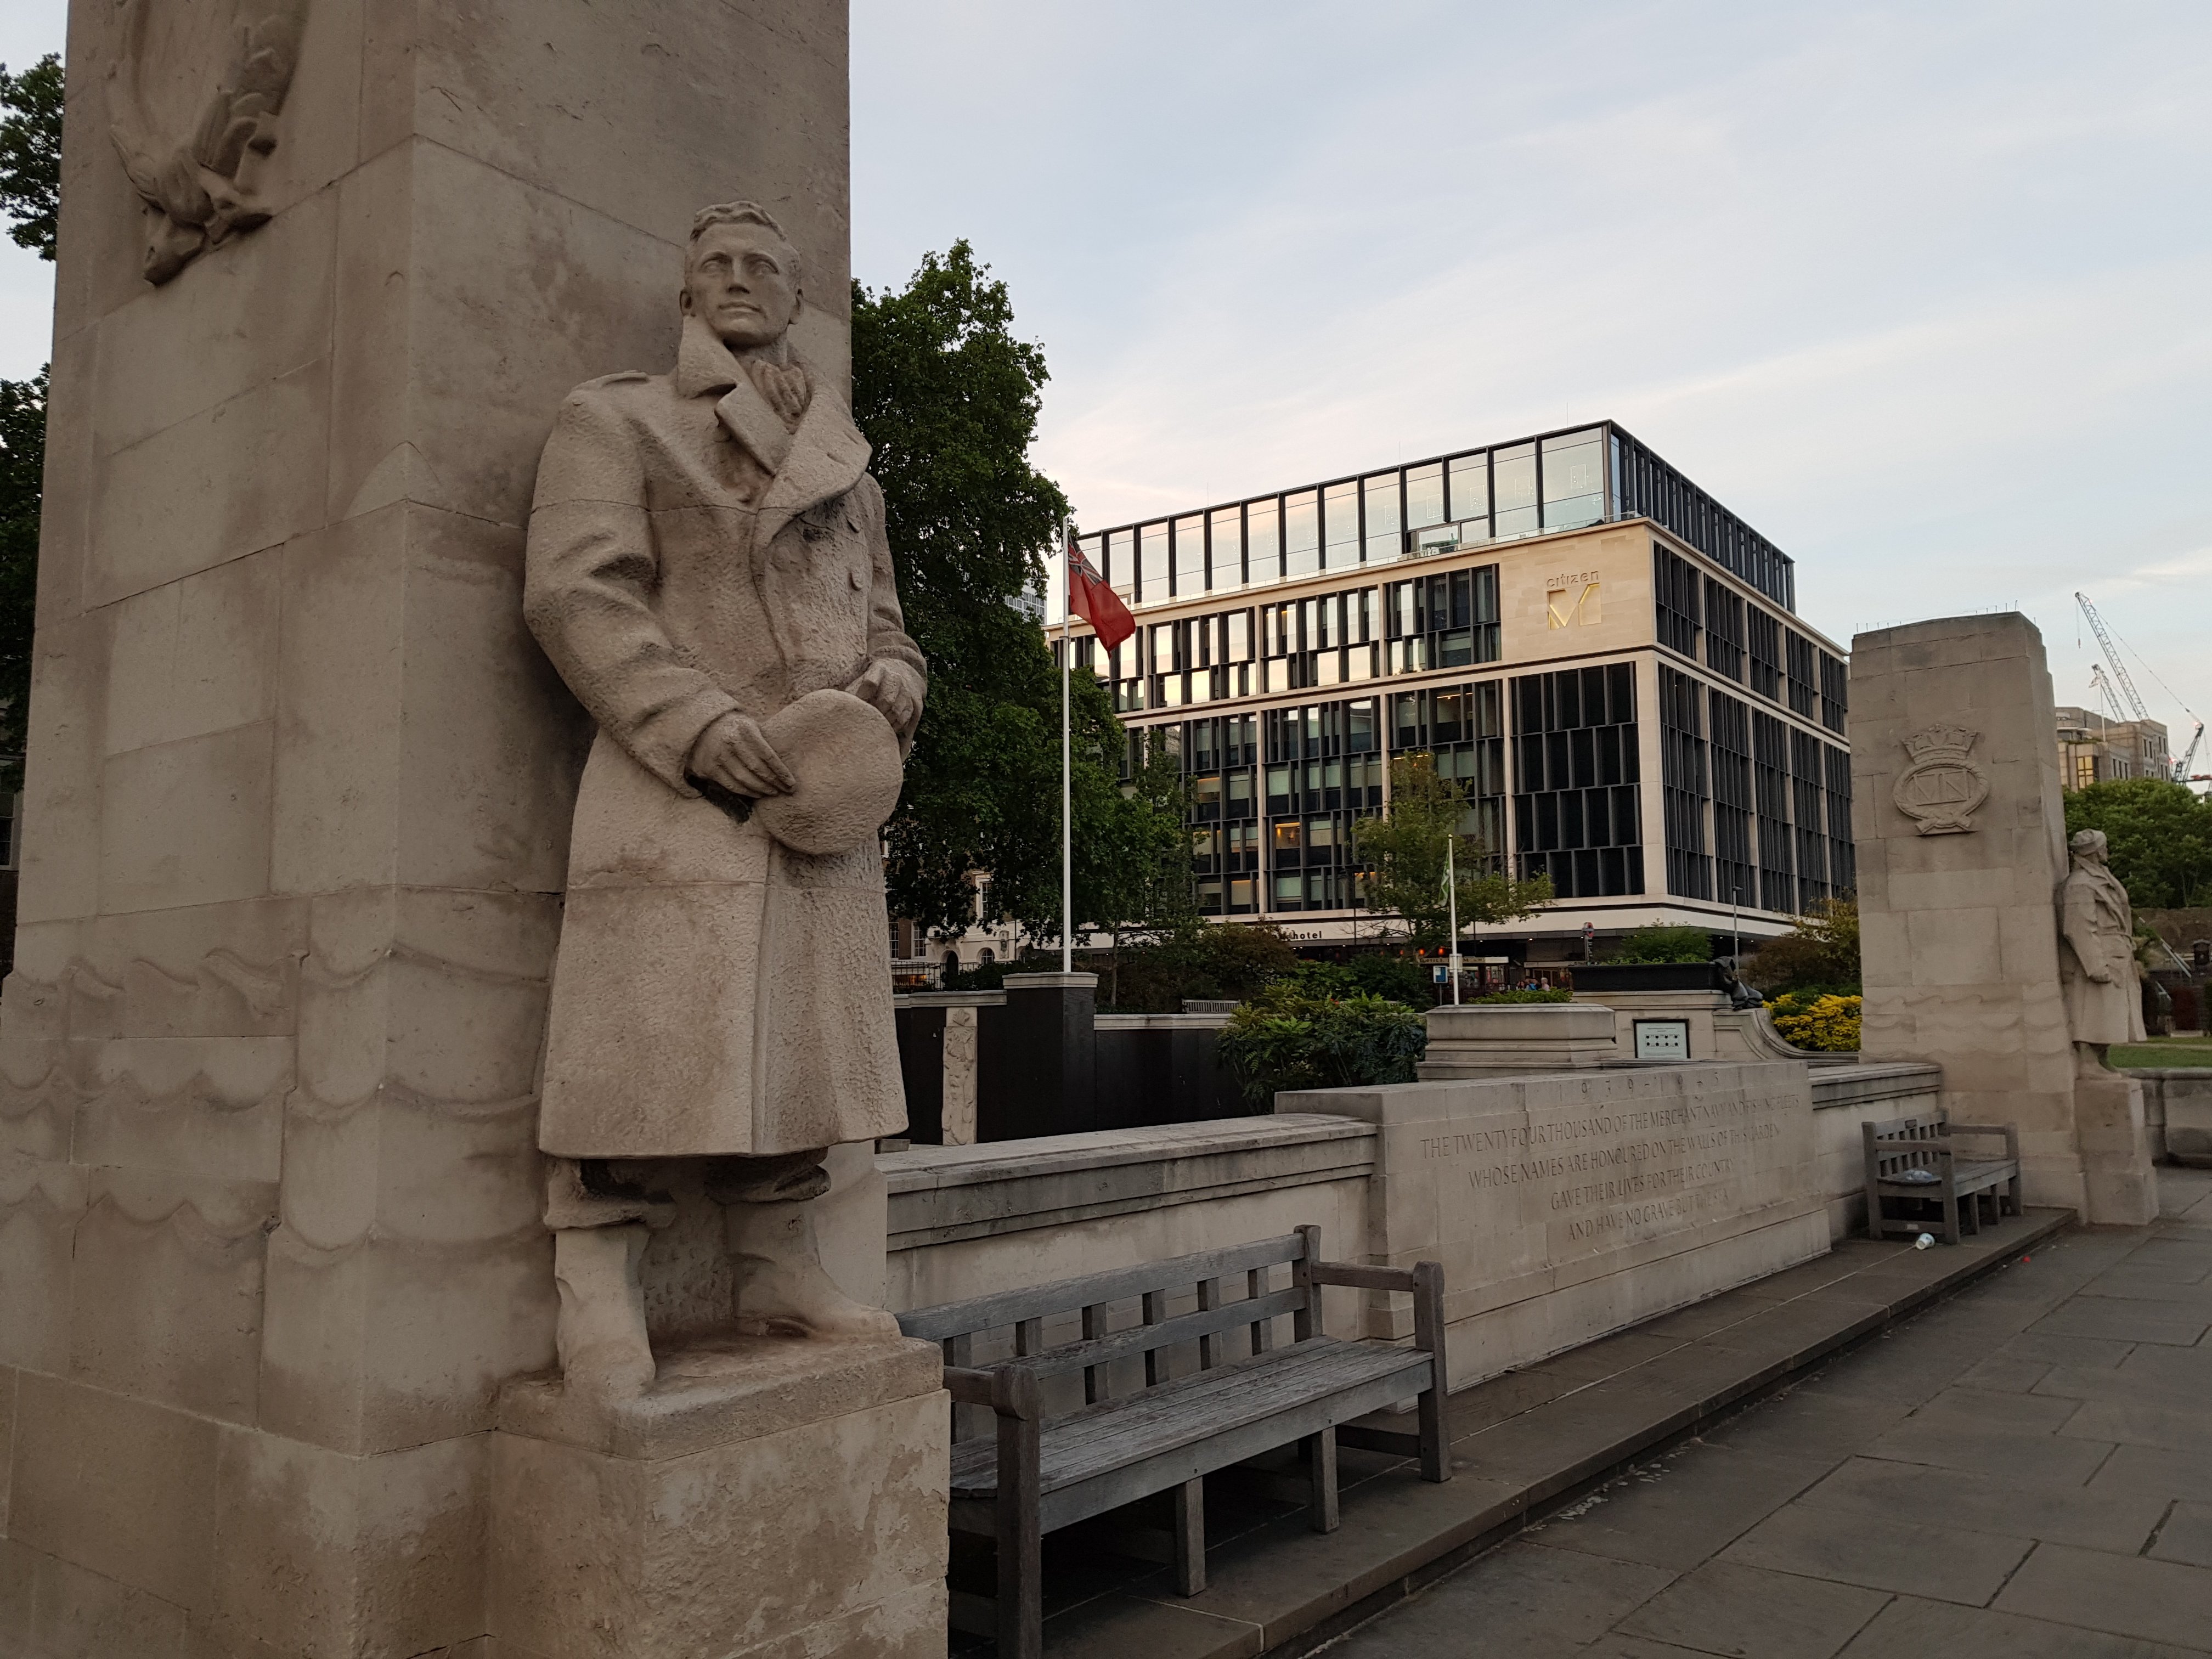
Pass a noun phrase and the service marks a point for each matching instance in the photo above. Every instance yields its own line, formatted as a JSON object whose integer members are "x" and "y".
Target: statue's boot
{"x": 605, "y": 1351}
{"x": 783, "y": 1289}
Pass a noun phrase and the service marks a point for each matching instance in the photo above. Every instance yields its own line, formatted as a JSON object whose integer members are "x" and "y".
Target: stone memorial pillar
{"x": 272, "y": 1205}
{"x": 1961, "y": 859}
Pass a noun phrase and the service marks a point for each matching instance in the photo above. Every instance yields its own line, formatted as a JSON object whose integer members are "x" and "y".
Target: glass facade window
{"x": 1835, "y": 693}
{"x": 1574, "y": 479}
{"x": 1513, "y": 492}
{"x": 1154, "y": 567}
{"x": 1385, "y": 528}
{"x": 1674, "y": 592}
{"x": 1729, "y": 721}
{"x": 1424, "y": 495}
{"x": 1843, "y": 859}
{"x": 1575, "y": 772}
{"x": 1804, "y": 691}
{"x": 1302, "y": 533}
{"x": 1807, "y": 799}
{"x": 1120, "y": 567}
{"x": 1263, "y": 541}
{"x": 1449, "y": 620}
{"x": 1684, "y": 787}
{"x": 1469, "y": 503}
{"x": 1225, "y": 545}
{"x": 1190, "y": 555}
{"x": 1643, "y": 486}
{"x": 1766, "y": 653}
{"x": 1723, "y": 630}
{"x": 1770, "y": 779}
{"x": 1236, "y": 637}
{"x": 1339, "y": 523}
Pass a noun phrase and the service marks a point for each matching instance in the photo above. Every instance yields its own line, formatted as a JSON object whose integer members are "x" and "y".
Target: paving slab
{"x": 2186, "y": 1536}
{"x": 2169, "y": 1475}
{"x": 1873, "y": 1486}
{"x": 1726, "y": 1608}
{"x": 2179, "y": 1326}
{"x": 1910, "y": 1628}
{"x": 1945, "y": 1564}
{"x": 2122, "y": 1596}
{"x": 1677, "y": 1511}
{"x": 1531, "y": 1602}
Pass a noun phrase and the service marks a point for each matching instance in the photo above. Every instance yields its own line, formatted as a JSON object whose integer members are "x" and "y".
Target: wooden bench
{"x": 1041, "y": 1471}
{"x": 1918, "y": 1158}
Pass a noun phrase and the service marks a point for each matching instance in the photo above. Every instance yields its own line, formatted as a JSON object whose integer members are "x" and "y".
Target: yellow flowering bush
{"x": 1821, "y": 1021}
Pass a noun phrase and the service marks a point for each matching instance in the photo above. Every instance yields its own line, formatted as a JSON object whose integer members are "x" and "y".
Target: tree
{"x": 30, "y": 195}
{"x": 949, "y": 399}
{"x": 31, "y": 153}
{"x": 2159, "y": 835}
{"x": 1821, "y": 955}
{"x": 1659, "y": 944}
{"x": 1414, "y": 842}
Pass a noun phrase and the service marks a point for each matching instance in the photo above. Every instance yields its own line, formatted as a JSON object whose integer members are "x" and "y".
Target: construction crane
{"x": 2180, "y": 773}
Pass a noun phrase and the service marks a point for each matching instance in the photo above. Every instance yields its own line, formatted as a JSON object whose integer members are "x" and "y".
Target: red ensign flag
{"x": 1089, "y": 598}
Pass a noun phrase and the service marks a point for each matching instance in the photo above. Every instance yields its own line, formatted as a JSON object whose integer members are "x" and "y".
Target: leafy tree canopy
{"x": 22, "y": 463}
{"x": 949, "y": 399}
{"x": 2159, "y": 835}
{"x": 1421, "y": 836}
{"x": 1821, "y": 956}
{"x": 31, "y": 153}
{"x": 1658, "y": 943}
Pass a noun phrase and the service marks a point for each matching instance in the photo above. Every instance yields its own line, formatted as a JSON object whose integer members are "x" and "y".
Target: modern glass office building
{"x": 1607, "y": 658}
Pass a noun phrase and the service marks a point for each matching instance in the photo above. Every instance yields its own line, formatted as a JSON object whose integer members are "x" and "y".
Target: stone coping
{"x": 2169, "y": 1073}
{"x": 1871, "y": 1080}
{"x": 1524, "y": 1445}
{"x": 925, "y": 1167}
{"x": 940, "y": 1195}
{"x": 1161, "y": 1022}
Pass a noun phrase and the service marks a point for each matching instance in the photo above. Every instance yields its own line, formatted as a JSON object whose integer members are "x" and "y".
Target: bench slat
{"x": 1197, "y": 1408}
{"x": 986, "y": 1313}
{"x": 1088, "y": 1356}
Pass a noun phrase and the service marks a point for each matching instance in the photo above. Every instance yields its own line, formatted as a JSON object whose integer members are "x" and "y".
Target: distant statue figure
{"x": 2098, "y": 964}
{"x": 707, "y": 568}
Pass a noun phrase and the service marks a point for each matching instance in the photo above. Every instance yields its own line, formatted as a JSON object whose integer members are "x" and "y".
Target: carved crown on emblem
{"x": 1940, "y": 789}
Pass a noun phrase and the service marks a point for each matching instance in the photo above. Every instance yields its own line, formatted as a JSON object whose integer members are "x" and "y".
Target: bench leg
{"x": 1321, "y": 1470}
{"x": 1190, "y": 1537}
{"x": 1950, "y": 1219}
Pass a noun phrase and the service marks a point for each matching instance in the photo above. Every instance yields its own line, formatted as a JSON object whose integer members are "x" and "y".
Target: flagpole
{"x": 1067, "y": 777}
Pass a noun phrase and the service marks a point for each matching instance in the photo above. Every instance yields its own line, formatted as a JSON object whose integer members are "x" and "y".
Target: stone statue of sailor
{"x": 2103, "y": 1002}
{"x": 707, "y": 569}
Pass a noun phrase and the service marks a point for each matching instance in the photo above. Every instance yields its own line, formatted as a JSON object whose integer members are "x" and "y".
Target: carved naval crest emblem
{"x": 1940, "y": 789}
{"x": 192, "y": 100}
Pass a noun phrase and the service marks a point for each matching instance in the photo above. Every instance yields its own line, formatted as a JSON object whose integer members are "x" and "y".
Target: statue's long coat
{"x": 715, "y": 992}
{"x": 2098, "y": 927}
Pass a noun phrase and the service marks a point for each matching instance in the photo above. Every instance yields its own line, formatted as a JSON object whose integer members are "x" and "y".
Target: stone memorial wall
{"x": 1564, "y": 1206}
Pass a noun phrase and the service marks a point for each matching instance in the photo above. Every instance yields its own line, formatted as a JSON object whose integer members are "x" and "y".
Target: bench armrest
{"x": 1363, "y": 1278}
{"x": 1423, "y": 1281}
{"x": 1009, "y": 1389}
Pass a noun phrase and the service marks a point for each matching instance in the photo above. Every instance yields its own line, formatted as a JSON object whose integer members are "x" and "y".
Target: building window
{"x": 1729, "y": 724}
{"x": 1340, "y": 524}
{"x": 1685, "y": 788}
{"x": 1449, "y": 620}
{"x": 1835, "y": 693}
{"x": 1804, "y": 690}
{"x": 1843, "y": 860}
{"x": 1302, "y": 533}
{"x": 1765, "y": 653}
{"x": 1469, "y": 506}
{"x": 1770, "y": 778}
{"x": 1575, "y": 768}
{"x": 1190, "y": 555}
{"x": 1807, "y": 799}
{"x": 1385, "y": 527}
{"x": 1723, "y": 630}
{"x": 1574, "y": 480}
{"x": 1513, "y": 492}
{"x": 1154, "y": 566}
{"x": 1675, "y": 591}
{"x": 1424, "y": 495}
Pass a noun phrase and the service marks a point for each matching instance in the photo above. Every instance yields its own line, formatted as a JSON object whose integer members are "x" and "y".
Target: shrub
{"x": 1523, "y": 996}
{"x": 1378, "y": 973}
{"x": 1289, "y": 1038}
{"x": 1656, "y": 943}
{"x": 1208, "y": 960}
{"x": 1822, "y": 954}
{"x": 1818, "y": 1019}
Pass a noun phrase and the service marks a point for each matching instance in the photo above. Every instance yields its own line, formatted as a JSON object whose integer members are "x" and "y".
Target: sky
{"x": 1917, "y": 291}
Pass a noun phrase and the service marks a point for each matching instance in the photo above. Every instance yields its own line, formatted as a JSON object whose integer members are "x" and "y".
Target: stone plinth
{"x": 1955, "y": 807}
{"x": 1042, "y": 1050}
{"x": 1567, "y": 1206}
{"x": 299, "y": 793}
{"x": 1513, "y": 1037}
{"x": 764, "y": 1497}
